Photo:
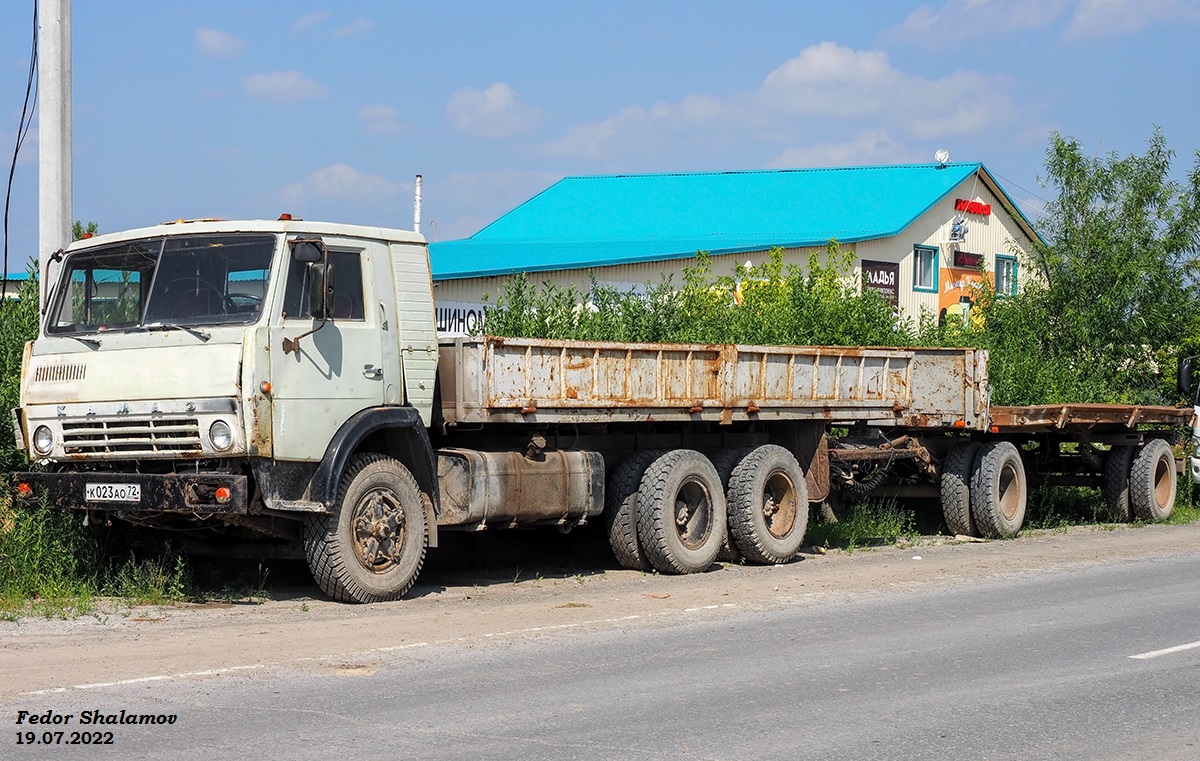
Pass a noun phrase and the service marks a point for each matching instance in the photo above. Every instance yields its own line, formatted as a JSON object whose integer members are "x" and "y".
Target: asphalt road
{"x": 1036, "y": 666}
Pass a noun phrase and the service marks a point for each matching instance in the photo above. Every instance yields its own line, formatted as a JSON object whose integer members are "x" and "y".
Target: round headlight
{"x": 43, "y": 440}
{"x": 220, "y": 435}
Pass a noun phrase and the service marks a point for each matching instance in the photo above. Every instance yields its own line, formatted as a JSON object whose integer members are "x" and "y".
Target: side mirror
{"x": 308, "y": 250}
{"x": 320, "y": 290}
{"x": 1184, "y": 377}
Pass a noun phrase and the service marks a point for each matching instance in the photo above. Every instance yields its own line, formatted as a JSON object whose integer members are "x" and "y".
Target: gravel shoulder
{"x": 455, "y": 609}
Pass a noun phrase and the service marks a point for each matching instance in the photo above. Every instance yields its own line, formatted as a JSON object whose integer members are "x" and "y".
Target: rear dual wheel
{"x": 998, "y": 490}
{"x": 681, "y": 512}
{"x": 768, "y": 505}
{"x": 1140, "y": 481}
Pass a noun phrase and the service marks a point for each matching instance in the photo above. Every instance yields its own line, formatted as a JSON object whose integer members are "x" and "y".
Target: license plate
{"x": 112, "y": 492}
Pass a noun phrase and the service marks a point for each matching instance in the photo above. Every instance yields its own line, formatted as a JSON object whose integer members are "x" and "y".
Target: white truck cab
{"x": 197, "y": 369}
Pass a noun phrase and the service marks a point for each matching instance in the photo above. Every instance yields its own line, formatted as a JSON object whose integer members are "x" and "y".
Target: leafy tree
{"x": 1120, "y": 240}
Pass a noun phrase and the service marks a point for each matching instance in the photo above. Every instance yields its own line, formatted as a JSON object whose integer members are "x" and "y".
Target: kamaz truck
{"x": 283, "y": 378}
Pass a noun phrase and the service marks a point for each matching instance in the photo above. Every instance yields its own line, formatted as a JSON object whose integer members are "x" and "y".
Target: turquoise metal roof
{"x": 582, "y": 222}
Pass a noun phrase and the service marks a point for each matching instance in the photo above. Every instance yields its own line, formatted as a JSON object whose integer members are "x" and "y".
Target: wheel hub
{"x": 378, "y": 531}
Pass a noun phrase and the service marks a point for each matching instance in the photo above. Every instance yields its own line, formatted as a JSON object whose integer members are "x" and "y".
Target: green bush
{"x": 764, "y": 304}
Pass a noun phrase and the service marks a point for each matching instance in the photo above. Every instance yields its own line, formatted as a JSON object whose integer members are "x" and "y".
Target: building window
{"x": 1006, "y": 275}
{"x": 925, "y": 268}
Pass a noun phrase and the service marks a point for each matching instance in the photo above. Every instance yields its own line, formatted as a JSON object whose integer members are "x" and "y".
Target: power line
{"x": 22, "y": 132}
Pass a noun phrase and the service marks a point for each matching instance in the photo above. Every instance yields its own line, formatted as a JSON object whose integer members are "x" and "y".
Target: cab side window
{"x": 347, "y": 287}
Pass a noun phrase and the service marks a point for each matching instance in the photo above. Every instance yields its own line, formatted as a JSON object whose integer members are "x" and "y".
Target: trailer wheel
{"x": 956, "y": 488}
{"x": 998, "y": 492}
{"x": 620, "y": 512}
{"x": 768, "y": 505}
{"x": 1152, "y": 481}
{"x": 724, "y": 460}
{"x": 371, "y": 548}
{"x": 1117, "y": 466}
{"x": 681, "y": 512}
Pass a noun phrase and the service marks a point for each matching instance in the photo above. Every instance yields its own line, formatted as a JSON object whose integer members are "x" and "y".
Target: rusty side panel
{"x": 817, "y": 477}
{"x": 1052, "y": 417}
{"x": 532, "y": 380}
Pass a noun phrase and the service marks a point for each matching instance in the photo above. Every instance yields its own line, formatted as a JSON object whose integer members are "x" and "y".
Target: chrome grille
{"x": 50, "y": 373}
{"x": 131, "y": 436}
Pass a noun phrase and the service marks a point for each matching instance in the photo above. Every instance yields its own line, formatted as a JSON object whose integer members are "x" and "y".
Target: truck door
{"x": 339, "y": 369}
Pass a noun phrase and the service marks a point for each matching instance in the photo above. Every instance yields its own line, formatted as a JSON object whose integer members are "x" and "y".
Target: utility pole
{"x": 54, "y": 132}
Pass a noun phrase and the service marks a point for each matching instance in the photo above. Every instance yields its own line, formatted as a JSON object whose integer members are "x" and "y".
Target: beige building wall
{"x": 460, "y": 301}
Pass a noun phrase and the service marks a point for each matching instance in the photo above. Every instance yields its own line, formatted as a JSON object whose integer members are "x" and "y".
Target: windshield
{"x": 174, "y": 280}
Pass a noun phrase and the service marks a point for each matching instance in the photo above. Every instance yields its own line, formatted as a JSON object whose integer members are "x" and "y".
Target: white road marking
{"x": 1166, "y": 651}
{"x": 383, "y": 649}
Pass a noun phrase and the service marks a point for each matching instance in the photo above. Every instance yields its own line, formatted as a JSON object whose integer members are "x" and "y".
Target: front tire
{"x": 372, "y": 546}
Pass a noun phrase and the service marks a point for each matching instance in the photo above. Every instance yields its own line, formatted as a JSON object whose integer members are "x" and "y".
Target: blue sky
{"x": 253, "y": 108}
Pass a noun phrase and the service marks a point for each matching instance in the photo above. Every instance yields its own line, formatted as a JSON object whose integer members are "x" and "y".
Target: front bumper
{"x": 201, "y": 493}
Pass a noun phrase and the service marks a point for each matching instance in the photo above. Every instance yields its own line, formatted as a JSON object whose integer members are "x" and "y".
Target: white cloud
{"x": 1110, "y": 18}
{"x": 338, "y": 182}
{"x": 873, "y": 147}
{"x": 494, "y": 112}
{"x": 310, "y": 20}
{"x": 283, "y": 87}
{"x": 959, "y": 21}
{"x": 217, "y": 44}
{"x": 817, "y": 98}
{"x": 358, "y": 26}
{"x": 379, "y": 120}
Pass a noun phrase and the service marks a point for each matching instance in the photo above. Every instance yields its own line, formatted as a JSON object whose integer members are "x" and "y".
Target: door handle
{"x": 370, "y": 371}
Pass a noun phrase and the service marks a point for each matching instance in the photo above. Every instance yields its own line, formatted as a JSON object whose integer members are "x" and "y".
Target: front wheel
{"x": 372, "y": 546}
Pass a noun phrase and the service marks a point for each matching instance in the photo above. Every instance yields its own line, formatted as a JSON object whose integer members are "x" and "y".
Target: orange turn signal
{"x": 24, "y": 490}
{"x": 265, "y": 387}
{"x": 223, "y": 494}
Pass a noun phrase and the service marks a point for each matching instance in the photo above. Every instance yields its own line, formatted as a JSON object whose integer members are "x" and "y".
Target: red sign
{"x": 968, "y": 260}
{"x": 972, "y": 207}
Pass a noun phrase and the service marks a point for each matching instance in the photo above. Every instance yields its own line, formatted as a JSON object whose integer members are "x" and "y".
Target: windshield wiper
{"x": 203, "y": 335}
{"x": 93, "y": 343}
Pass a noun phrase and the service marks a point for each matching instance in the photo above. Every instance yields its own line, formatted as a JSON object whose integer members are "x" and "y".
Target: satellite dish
{"x": 942, "y": 156}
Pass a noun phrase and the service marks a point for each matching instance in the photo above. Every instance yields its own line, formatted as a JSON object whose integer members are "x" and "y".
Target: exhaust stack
{"x": 417, "y": 205}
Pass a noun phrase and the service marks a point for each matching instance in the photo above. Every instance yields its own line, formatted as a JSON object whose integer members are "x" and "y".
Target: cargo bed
{"x": 505, "y": 380}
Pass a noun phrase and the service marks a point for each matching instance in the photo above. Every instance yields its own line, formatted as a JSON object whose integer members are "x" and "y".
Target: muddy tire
{"x": 371, "y": 548}
{"x": 956, "y": 488}
{"x": 620, "y": 510}
{"x": 1152, "y": 481}
{"x": 998, "y": 490}
{"x": 724, "y": 460}
{"x": 681, "y": 512}
{"x": 768, "y": 505}
{"x": 1116, "y": 482}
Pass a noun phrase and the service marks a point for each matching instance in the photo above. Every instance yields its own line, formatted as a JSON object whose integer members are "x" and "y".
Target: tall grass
{"x": 50, "y": 561}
